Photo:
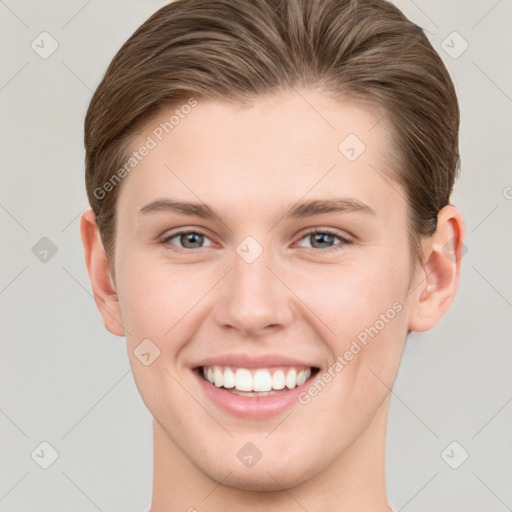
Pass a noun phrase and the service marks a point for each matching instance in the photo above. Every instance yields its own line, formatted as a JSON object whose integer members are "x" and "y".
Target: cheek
{"x": 363, "y": 322}
{"x": 159, "y": 298}
{"x": 155, "y": 296}
{"x": 349, "y": 298}
{"x": 156, "y": 305}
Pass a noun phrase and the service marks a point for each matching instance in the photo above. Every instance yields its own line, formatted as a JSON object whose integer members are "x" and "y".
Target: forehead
{"x": 279, "y": 148}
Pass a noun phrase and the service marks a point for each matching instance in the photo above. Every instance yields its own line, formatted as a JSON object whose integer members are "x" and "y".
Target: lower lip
{"x": 252, "y": 407}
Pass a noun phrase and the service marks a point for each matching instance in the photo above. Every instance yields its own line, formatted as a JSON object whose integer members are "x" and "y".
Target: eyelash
{"x": 344, "y": 240}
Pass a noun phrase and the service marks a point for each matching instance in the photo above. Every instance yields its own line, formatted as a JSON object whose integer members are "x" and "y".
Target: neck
{"x": 355, "y": 482}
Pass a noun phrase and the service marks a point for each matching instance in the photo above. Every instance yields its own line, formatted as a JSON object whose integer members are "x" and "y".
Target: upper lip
{"x": 252, "y": 361}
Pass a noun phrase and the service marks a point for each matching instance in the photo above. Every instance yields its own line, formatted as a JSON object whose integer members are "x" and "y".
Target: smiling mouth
{"x": 256, "y": 382}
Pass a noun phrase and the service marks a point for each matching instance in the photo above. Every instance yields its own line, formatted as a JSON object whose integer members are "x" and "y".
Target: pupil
{"x": 321, "y": 238}
{"x": 190, "y": 237}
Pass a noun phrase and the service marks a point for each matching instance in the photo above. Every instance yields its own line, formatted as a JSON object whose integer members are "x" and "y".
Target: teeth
{"x": 278, "y": 380}
{"x": 228, "y": 379}
{"x": 218, "y": 377}
{"x": 291, "y": 379}
{"x": 262, "y": 381}
{"x": 253, "y": 393}
{"x": 243, "y": 380}
{"x": 301, "y": 378}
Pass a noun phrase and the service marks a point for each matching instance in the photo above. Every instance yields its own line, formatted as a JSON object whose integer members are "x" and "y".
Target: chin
{"x": 254, "y": 479}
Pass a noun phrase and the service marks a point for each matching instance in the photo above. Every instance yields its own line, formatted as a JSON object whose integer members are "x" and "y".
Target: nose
{"x": 254, "y": 300}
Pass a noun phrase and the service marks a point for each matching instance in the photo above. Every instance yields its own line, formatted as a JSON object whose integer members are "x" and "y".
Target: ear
{"x": 99, "y": 273}
{"x": 437, "y": 281}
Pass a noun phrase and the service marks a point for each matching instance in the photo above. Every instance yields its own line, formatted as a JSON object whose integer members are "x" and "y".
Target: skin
{"x": 250, "y": 164}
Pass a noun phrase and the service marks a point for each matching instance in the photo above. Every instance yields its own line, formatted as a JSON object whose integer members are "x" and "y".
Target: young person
{"x": 269, "y": 183}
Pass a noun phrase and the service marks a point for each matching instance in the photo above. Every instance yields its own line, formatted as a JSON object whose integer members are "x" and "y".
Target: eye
{"x": 188, "y": 239}
{"x": 323, "y": 238}
{"x": 320, "y": 239}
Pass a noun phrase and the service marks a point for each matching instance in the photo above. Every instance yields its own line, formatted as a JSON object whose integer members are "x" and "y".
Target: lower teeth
{"x": 251, "y": 393}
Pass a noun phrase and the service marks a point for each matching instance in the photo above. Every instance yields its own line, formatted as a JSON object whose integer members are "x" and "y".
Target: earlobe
{"x": 100, "y": 275}
{"x": 437, "y": 281}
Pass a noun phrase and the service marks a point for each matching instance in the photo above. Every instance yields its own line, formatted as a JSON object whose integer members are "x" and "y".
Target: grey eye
{"x": 187, "y": 239}
{"x": 322, "y": 239}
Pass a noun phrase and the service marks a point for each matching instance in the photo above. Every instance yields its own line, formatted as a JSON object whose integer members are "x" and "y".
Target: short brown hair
{"x": 236, "y": 50}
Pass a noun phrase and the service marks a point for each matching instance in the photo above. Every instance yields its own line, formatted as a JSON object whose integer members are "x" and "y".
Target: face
{"x": 296, "y": 261}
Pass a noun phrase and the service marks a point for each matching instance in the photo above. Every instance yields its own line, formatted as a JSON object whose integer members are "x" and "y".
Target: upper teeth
{"x": 243, "y": 379}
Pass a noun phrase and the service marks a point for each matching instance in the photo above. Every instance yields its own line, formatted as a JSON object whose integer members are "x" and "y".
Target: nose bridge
{"x": 253, "y": 297}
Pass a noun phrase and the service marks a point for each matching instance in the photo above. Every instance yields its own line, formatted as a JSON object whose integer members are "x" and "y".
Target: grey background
{"x": 66, "y": 380}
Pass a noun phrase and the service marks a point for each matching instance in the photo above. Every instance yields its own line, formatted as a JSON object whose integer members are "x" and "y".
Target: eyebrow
{"x": 302, "y": 209}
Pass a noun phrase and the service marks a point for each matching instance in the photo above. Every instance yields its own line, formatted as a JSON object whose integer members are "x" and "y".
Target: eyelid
{"x": 186, "y": 231}
{"x": 331, "y": 231}
{"x": 345, "y": 240}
